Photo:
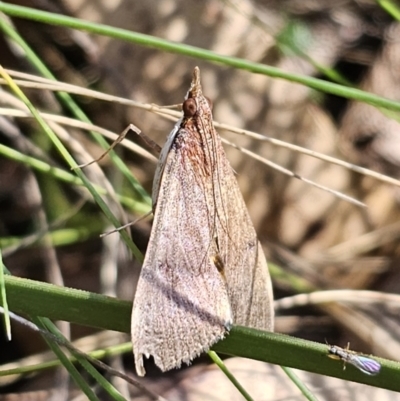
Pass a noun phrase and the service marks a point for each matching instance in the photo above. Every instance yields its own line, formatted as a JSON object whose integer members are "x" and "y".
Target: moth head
{"x": 194, "y": 99}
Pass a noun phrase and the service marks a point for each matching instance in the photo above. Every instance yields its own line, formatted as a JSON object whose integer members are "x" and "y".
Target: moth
{"x": 204, "y": 269}
{"x": 363, "y": 363}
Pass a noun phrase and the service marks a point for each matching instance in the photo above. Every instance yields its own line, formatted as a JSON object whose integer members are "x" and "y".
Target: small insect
{"x": 366, "y": 364}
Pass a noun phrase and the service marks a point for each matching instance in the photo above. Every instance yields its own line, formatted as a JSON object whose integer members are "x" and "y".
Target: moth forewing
{"x": 249, "y": 282}
{"x": 161, "y": 163}
{"x": 181, "y": 304}
{"x": 204, "y": 268}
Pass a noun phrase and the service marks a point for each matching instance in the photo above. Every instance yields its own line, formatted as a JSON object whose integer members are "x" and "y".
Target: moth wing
{"x": 181, "y": 305}
{"x": 247, "y": 275}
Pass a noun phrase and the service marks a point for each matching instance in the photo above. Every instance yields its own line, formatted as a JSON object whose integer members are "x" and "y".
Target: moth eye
{"x": 189, "y": 107}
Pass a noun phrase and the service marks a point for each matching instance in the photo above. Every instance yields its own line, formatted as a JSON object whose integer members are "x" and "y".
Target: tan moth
{"x": 204, "y": 268}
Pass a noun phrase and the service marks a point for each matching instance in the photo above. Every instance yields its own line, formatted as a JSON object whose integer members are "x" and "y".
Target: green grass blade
{"x": 71, "y": 162}
{"x": 85, "y": 308}
{"x": 98, "y": 354}
{"x": 72, "y": 370}
{"x": 3, "y": 296}
{"x": 107, "y": 386}
{"x": 218, "y": 361}
{"x": 195, "y": 52}
{"x": 68, "y": 101}
{"x": 300, "y": 385}
{"x": 391, "y": 8}
{"x": 69, "y": 178}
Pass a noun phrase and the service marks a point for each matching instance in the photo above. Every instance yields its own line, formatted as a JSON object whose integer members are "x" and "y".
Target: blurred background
{"x": 325, "y": 241}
